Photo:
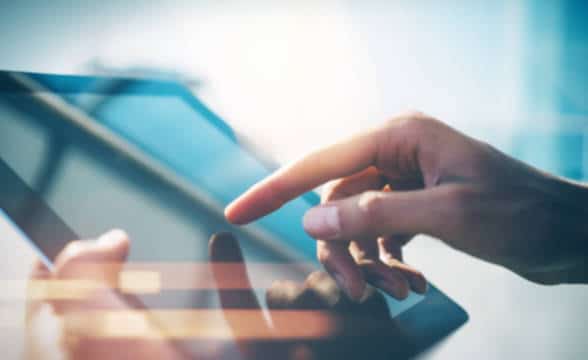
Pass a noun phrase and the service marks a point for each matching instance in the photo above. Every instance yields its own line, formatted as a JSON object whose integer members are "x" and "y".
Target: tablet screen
{"x": 93, "y": 187}
{"x": 149, "y": 158}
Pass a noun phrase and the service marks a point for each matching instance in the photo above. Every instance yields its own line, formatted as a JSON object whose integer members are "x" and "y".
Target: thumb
{"x": 93, "y": 259}
{"x": 377, "y": 213}
{"x": 90, "y": 269}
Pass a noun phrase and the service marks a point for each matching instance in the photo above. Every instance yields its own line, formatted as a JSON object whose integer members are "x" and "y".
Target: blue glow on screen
{"x": 189, "y": 143}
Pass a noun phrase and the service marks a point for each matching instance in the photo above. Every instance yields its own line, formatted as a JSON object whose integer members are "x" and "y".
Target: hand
{"x": 45, "y": 319}
{"x": 416, "y": 175}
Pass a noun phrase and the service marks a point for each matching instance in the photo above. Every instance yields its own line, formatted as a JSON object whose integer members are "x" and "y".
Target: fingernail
{"x": 111, "y": 238}
{"x": 322, "y": 222}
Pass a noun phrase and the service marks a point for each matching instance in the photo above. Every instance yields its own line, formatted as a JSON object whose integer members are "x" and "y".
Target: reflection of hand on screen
{"x": 73, "y": 301}
{"x": 81, "y": 300}
{"x": 309, "y": 320}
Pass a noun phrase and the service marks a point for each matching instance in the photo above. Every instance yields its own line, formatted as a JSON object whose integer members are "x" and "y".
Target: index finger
{"x": 335, "y": 161}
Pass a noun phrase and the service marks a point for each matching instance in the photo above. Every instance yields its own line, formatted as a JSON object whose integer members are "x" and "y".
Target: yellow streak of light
{"x": 62, "y": 289}
{"x": 202, "y": 324}
{"x": 140, "y": 282}
{"x": 150, "y": 278}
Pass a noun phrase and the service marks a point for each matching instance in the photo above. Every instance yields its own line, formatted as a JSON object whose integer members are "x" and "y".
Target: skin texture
{"x": 414, "y": 175}
{"x": 358, "y": 324}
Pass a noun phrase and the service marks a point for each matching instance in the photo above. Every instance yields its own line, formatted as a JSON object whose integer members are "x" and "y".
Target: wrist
{"x": 569, "y": 200}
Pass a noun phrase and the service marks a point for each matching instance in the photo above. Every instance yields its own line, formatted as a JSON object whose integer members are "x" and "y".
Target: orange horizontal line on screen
{"x": 152, "y": 278}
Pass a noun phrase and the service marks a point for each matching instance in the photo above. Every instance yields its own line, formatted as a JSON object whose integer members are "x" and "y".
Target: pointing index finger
{"x": 335, "y": 161}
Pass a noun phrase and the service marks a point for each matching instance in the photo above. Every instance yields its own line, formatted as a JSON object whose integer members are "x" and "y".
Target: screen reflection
{"x": 178, "y": 294}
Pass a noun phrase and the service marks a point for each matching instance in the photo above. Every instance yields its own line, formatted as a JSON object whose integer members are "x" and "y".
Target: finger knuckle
{"x": 370, "y": 206}
{"x": 415, "y": 114}
{"x": 479, "y": 159}
{"x": 460, "y": 200}
{"x": 389, "y": 259}
{"x": 331, "y": 190}
{"x": 411, "y": 116}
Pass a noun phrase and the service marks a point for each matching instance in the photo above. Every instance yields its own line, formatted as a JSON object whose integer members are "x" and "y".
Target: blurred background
{"x": 294, "y": 75}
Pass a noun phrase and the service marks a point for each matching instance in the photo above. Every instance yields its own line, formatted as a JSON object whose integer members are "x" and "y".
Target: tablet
{"x": 81, "y": 155}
